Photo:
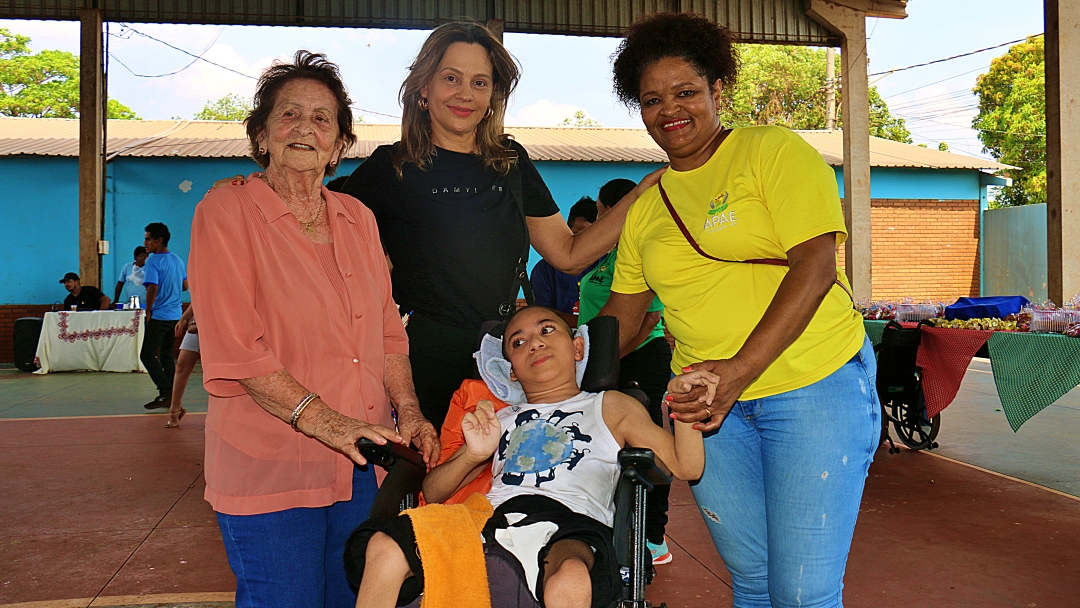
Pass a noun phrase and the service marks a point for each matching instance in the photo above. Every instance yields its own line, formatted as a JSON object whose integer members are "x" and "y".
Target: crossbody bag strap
{"x": 693, "y": 243}
{"x": 521, "y": 270}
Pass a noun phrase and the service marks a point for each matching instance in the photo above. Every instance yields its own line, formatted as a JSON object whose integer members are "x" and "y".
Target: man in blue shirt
{"x": 558, "y": 290}
{"x": 130, "y": 282}
{"x": 165, "y": 279}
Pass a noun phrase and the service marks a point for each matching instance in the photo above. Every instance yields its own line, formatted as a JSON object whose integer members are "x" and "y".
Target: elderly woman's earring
{"x": 262, "y": 150}
{"x": 422, "y": 102}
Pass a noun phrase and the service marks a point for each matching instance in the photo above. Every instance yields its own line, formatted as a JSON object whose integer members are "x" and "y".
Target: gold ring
{"x": 709, "y": 412}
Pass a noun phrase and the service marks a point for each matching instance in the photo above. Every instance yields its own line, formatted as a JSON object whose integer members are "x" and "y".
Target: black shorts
{"x": 606, "y": 579}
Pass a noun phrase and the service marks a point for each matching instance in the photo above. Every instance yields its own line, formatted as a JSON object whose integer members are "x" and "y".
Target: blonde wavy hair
{"x": 416, "y": 146}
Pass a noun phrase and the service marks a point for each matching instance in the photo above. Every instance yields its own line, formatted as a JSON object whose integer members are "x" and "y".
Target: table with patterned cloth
{"x": 100, "y": 340}
{"x": 1031, "y": 371}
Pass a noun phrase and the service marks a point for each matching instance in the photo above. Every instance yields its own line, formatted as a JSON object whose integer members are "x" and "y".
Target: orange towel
{"x": 452, "y": 553}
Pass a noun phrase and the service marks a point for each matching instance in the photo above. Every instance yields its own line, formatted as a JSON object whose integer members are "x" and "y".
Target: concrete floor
{"x": 1045, "y": 451}
{"x": 103, "y": 507}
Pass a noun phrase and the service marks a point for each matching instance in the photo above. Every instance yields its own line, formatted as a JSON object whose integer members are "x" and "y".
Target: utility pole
{"x": 830, "y": 88}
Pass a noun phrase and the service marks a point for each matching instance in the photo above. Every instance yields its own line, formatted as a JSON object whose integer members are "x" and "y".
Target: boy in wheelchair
{"x": 553, "y": 466}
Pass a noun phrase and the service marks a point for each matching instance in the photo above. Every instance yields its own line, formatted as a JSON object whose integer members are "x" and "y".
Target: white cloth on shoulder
{"x": 495, "y": 369}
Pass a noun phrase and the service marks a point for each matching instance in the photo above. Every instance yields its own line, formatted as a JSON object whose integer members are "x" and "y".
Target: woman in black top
{"x": 448, "y": 219}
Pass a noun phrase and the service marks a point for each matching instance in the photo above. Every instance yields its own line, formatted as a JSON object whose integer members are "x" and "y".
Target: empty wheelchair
{"x": 899, "y": 386}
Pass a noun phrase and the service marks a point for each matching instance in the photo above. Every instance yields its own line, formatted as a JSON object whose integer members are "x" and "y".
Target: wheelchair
{"x": 640, "y": 474}
{"x": 899, "y": 386}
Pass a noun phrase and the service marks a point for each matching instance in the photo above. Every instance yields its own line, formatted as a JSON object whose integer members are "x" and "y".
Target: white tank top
{"x": 560, "y": 450}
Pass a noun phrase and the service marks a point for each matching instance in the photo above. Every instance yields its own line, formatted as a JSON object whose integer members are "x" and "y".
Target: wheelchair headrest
{"x": 602, "y": 370}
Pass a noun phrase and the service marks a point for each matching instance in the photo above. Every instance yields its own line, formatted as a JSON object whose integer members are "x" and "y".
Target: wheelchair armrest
{"x": 639, "y": 467}
{"x": 388, "y": 455}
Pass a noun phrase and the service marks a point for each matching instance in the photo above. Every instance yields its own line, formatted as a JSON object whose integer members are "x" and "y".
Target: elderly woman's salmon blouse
{"x": 265, "y": 303}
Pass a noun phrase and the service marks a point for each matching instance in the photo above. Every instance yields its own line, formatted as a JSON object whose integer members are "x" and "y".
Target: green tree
{"x": 579, "y": 119}
{"x": 785, "y": 85}
{"x": 229, "y": 107}
{"x": 43, "y": 84}
{"x": 1012, "y": 120}
{"x": 943, "y": 146}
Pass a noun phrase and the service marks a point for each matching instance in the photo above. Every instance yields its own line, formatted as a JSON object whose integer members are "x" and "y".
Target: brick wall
{"x": 924, "y": 248}
{"x": 8, "y": 314}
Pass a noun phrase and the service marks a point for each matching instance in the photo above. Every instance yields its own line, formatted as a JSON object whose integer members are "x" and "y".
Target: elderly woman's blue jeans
{"x": 295, "y": 557}
{"x": 782, "y": 486}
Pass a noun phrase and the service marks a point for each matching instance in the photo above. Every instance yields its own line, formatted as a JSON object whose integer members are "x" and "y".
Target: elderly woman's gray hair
{"x": 305, "y": 66}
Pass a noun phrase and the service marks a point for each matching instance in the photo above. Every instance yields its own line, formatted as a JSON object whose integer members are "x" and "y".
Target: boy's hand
{"x": 684, "y": 383}
{"x": 482, "y": 431}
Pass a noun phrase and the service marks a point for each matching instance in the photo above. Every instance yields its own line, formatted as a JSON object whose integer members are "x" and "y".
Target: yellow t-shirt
{"x": 764, "y": 191}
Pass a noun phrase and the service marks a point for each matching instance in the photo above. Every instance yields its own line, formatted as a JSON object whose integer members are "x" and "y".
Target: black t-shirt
{"x": 453, "y": 233}
{"x": 89, "y": 298}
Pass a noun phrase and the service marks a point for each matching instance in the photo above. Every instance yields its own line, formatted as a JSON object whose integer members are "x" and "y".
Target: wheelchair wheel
{"x": 914, "y": 429}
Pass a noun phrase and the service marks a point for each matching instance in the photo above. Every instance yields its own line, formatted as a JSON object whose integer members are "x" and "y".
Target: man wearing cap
{"x": 83, "y": 297}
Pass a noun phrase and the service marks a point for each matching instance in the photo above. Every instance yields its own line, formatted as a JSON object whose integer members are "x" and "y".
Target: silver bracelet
{"x": 300, "y": 409}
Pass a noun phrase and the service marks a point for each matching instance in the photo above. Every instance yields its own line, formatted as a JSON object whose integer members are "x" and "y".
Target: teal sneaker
{"x": 660, "y": 553}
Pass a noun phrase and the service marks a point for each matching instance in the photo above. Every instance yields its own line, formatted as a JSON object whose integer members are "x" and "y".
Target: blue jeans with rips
{"x": 783, "y": 483}
{"x": 296, "y": 557}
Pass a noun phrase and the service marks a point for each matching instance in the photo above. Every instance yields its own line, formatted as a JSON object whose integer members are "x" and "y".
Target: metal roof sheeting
{"x": 211, "y": 139}
{"x": 765, "y": 21}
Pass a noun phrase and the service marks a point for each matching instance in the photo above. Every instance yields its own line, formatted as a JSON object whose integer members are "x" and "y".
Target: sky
{"x": 560, "y": 74}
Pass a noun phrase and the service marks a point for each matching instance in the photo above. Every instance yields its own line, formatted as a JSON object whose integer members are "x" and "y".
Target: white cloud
{"x": 370, "y": 37}
{"x": 204, "y": 82}
{"x": 543, "y": 113}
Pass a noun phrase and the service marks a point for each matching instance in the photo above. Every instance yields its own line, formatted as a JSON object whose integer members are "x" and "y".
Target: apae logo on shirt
{"x": 719, "y": 217}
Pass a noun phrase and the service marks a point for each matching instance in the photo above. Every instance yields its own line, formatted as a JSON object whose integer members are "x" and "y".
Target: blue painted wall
{"x": 39, "y": 206}
{"x": 39, "y": 227}
{"x": 932, "y": 184}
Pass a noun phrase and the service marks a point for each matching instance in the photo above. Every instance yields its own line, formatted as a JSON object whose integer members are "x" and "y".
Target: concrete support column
{"x": 850, "y": 25}
{"x": 496, "y": 28}
{"x": 91, "y": 146}
{"x": 1062, "y": 149}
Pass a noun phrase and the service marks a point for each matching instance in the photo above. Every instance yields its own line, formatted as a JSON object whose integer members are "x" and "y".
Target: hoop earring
{"x": 490, "y": 112}
{"x": 422, "y": 103}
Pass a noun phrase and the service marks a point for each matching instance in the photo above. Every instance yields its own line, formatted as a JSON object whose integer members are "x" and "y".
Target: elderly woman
{"x": 303, "y": 349}
{"x": 458, "y": 202}
{"x": 738, "y": 240}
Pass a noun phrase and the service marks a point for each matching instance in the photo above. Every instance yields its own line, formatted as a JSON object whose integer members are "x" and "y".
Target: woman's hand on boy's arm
{"x": 682, "y": 384}
{"x": 690, "y": 407}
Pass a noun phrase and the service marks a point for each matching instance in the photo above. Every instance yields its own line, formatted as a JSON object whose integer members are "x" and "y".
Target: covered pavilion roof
{"x": 761, "y": 21}
{"x": 215, "y": 139}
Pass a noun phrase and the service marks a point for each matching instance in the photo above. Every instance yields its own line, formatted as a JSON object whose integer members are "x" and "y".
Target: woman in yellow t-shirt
{"x": 739, "y": 242}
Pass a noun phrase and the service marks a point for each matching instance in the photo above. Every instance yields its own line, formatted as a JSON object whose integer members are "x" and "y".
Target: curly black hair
{"x": 703, "y": 44}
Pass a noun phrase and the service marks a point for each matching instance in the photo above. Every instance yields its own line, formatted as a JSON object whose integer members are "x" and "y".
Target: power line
{"x": 937, "y": 82}
{"x": 197, "y": 57}
{"x": 374, "y": 112}
{"x": 919, "y": 65}
{"x": 191, "y": 63}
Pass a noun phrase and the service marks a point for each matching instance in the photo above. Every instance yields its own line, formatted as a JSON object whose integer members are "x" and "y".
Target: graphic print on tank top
{"x": 537, "y": 446}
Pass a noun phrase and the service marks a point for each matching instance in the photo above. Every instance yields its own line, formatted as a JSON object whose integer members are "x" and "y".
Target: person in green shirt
{"x": 646, "y": 359}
